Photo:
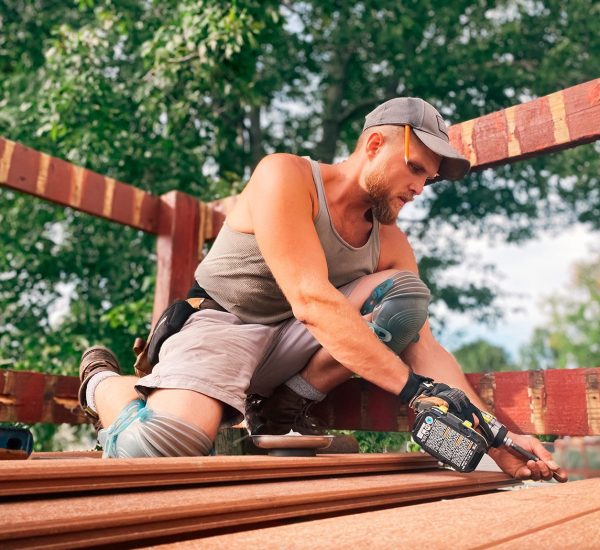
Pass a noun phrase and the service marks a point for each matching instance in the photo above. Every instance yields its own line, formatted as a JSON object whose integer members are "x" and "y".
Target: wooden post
{"x": 177, "y": 248}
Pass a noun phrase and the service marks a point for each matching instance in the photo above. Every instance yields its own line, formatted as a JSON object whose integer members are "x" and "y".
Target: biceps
{"x": 289, "y": 243}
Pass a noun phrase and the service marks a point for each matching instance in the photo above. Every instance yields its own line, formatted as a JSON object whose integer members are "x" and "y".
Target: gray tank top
{"x": 236, "y": 275}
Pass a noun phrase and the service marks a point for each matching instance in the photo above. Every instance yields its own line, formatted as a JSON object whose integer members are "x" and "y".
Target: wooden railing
{"x": 540, "y": 402}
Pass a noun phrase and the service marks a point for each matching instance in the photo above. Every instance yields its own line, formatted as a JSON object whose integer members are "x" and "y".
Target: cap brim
{"x": 453, "y": 166}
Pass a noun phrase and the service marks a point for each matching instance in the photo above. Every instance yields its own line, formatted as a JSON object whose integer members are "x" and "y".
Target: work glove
{"x": 421, "y": 393}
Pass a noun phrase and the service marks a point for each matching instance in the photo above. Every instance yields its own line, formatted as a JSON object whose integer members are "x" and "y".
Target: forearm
{"x": 429, "y": 358}
{"x": 340, "y": 329}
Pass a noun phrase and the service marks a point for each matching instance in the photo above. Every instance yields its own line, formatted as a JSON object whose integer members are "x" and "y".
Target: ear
{"x": 374, "y": 144}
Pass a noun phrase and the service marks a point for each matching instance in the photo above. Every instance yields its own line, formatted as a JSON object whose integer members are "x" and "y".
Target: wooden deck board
{"x": 552, "y": 516}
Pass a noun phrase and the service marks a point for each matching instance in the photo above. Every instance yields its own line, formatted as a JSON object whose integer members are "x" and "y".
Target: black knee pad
{"x": 399, "y": 305}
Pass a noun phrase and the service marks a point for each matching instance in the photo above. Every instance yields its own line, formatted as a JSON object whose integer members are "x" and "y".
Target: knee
{"x": 140, "y": 432}
{"x": 400, "y": 307}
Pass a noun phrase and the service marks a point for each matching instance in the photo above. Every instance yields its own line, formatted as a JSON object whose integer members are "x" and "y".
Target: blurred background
{"x": 191, "y": 94}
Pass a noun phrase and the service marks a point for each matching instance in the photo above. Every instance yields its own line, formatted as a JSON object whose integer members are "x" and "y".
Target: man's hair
{"x": 389, "y": 131}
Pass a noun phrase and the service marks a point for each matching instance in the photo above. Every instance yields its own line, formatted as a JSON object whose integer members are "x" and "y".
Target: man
{"x": 309, "y": 253}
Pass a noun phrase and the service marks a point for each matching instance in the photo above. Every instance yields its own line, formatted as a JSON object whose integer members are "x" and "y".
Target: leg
{"x": 394, "y": 303}
{"x": 112, "y": 395}
{"x": 195, "y": 408}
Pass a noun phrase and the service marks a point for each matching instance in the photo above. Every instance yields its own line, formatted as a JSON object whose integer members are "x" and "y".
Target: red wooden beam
{"x": 561, "y": 402}
{"x": 33, "y": 397}
{"x": 177, "y": 248}
{"x": 61, "y": 182}
{"x": 554, "y": 122}
{"x": 551, "y": 123}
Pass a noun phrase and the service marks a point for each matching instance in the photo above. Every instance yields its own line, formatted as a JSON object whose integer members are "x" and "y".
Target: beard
{"x": 381, "y": 204}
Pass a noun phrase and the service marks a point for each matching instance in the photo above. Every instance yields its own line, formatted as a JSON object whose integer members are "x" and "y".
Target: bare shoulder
{"x": 395, "y": 250}
{"x": 278, "y": 178}
{"x": 279, "y": 169}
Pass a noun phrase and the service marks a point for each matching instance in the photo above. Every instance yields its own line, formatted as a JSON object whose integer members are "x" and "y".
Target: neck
{"x": 343, "y": 182}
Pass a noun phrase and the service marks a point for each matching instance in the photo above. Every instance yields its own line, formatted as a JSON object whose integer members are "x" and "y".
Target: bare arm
{"x": 428, "y": 358}
{"x": 281, "y": 211}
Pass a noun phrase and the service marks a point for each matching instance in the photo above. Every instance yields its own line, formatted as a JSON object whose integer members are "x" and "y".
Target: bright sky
{"x": 527, "y": 274}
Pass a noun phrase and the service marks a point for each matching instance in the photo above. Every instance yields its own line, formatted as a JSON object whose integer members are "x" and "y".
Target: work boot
{"x": 94, "y": 360}
{"x": 285, "y": 410}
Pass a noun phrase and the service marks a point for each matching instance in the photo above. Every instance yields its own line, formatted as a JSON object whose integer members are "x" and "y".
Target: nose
{"x": 417, "y": 185}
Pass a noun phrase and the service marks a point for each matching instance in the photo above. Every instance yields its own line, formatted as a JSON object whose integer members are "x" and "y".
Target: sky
{"x": 527, "y": 274}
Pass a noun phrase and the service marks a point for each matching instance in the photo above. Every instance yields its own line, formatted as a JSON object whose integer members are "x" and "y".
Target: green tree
{"x": 571, "y": 337}
{"x": 481, "y": 356}
{"x": 189, "y": 94}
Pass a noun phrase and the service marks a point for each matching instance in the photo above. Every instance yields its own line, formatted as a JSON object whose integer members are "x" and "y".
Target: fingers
{"x": 554, "y": 470}
{"x": 523, "y": 472}
{"x": 542, "y": 471}
{"x": 539, "y": 470}
{"x": 539, "y": 450}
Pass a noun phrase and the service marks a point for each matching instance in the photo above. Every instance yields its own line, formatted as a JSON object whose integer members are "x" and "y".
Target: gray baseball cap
{"x": 429, "y": 126}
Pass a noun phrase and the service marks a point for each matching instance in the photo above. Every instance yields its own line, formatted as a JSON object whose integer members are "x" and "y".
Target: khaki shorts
{"x": 220, "y": 356}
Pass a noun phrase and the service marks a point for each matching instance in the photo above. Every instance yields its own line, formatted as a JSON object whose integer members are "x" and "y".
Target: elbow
{"x": 308, "y": 302}
{"x": 302, "y": 308}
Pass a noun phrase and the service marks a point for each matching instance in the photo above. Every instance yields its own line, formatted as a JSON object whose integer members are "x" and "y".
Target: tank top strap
{"x": 318, "y": 179}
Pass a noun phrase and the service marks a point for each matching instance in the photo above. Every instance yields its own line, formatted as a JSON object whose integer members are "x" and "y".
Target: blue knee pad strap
{"x": 140, "y": 432}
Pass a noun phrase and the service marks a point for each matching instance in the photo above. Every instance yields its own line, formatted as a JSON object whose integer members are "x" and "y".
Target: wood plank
{"x": 176, "y": 249}
{"x": 116, "y": 518}
{"x": 529, "y": 518}
{"x": 560, "y": 402}
{"x": 55, "y": 180}
{"x": 558, "y": 121}
{"x": 32, "y": 397}
{"x": 49, "y": 474}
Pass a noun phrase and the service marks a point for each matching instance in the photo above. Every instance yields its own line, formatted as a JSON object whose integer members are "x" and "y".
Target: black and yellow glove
{"x": 422, "y": 393}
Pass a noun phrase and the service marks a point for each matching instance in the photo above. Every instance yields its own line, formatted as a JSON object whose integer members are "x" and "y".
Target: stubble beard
{"x": 380, "y": 200}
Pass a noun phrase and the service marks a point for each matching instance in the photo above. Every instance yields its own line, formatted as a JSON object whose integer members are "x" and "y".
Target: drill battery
{"x": 449, "y": 439}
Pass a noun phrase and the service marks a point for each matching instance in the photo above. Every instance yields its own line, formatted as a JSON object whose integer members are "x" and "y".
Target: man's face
{"x": 391, "y": 182}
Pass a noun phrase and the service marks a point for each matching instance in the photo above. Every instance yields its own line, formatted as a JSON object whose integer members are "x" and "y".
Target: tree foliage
{"x": 571, "y": 337}
{"x": 188, "y": 95}
{"x": 482, "y": 356}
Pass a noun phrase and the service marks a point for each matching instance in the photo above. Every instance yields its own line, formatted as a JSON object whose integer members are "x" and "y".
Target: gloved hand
{"x": 422, "y": 393}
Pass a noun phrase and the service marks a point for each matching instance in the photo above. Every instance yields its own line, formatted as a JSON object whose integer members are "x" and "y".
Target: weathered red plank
{"x": 532, "y": 135}
{"x": 58, "y": 181}
{"x": 92, "y": 194}
{"x": 23, "y": 168}
{"x": 577, "y": 101}
{"x": 220, "y": 208}
{"x": 565, "y": 402}
{"x": 561, "y": 402}
{"x": 554, "y": 122}
{"x": 32, "y": 397}
{"x": 177, "y": 249}
{"x": 56, "y": 186}
{"x": 489, "y": 137}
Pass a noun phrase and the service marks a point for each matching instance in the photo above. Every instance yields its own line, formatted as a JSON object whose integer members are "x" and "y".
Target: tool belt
{"x": 170, "y": 322}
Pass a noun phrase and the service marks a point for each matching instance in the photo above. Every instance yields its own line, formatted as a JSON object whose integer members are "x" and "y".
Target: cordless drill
{"x": 455, "y": 442}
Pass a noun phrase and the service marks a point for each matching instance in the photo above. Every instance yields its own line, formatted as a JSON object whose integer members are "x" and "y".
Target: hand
{"x": 519, "y": 467}
{"x": 436, "y": 394}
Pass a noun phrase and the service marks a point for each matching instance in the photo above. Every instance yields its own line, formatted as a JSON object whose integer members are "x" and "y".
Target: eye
{"x": 416, "y": 169}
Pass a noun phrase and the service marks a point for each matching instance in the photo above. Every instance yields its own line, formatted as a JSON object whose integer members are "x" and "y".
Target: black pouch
{"x": 169, "y": 323}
